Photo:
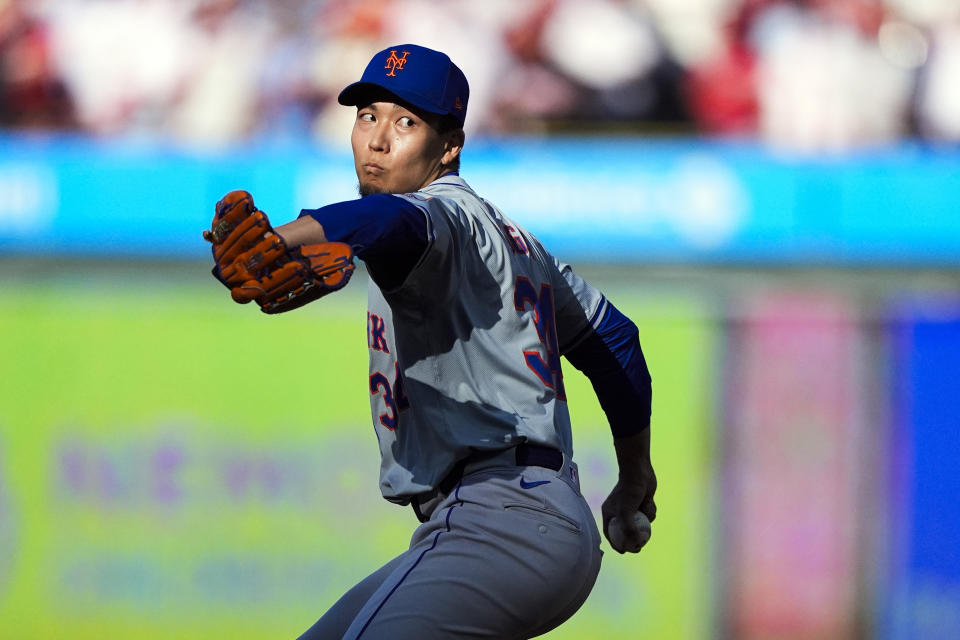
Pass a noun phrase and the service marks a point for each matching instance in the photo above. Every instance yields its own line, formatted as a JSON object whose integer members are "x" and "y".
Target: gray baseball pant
{"x": 510, "y": 552}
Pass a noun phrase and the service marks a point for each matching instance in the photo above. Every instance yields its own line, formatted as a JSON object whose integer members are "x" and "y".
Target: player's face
{"x": 396, "y": 150}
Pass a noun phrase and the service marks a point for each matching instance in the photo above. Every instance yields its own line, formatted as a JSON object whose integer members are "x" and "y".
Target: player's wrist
{"x": 303, "y": 230}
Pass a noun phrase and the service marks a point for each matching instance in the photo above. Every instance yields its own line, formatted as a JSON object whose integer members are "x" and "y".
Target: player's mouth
{"x": 373, "y": 168}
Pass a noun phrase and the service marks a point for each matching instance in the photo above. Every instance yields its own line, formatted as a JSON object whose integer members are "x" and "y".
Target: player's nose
{"x": 379, "y": 140}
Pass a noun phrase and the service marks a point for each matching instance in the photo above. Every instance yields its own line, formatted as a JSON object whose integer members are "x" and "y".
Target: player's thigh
{"x": 488, "y": 568}
{"x": 334, "y": 623}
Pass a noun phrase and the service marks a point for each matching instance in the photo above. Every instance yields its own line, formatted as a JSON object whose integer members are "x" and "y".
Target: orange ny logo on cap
{"x": 394, "y": 63}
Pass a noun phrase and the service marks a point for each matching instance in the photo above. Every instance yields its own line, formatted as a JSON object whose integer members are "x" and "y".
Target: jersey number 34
{"x": 547, "y": 369}
{"x": 393, "y": 396}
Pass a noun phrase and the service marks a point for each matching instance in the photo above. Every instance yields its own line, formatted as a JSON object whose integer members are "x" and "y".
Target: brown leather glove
{"x": 255, "y": 263}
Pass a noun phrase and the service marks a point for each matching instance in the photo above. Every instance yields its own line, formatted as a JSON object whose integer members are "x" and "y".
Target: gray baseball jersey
{"x": 465, "y": 353}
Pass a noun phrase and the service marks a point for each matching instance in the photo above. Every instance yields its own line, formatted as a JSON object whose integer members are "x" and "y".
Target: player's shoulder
{"x": 447, "y": 193}
{"x": 469, "y": 215}
{"x": 448, "y": 184}
{"x": 449, "y": 199}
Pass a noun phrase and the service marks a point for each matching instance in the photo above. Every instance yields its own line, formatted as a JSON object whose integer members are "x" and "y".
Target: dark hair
{"x": 447, "y": 123}
{"x": 443, "y": 124}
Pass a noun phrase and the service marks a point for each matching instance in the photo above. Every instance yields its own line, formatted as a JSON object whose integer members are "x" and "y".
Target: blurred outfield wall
{"x": 806, "y": 415}
{"x": 156, "y": 484}
{"x": 603, "y": 199}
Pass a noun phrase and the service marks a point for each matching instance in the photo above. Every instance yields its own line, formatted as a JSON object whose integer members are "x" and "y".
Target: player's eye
{"x": 405, "y": 122}
{"x": 366, "y": 116}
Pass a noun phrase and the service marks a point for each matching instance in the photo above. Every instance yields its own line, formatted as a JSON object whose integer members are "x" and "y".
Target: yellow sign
{"x": 156, "y": 483}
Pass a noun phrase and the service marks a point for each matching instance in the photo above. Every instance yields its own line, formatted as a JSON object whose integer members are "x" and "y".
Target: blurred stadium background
{"x": 770, "y": 188}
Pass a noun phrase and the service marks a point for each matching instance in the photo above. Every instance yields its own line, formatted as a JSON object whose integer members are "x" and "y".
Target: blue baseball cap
{"x": 417, "y": 75}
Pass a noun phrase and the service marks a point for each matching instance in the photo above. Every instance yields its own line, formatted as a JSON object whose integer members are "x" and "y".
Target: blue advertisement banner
{"x": 617, "y": 200}
{"x": 922, "y": 594}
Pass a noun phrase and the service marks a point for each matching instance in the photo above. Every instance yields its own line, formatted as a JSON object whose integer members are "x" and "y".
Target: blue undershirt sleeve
{"x": 610, "y": 356}
{"x": 387, "y": 232}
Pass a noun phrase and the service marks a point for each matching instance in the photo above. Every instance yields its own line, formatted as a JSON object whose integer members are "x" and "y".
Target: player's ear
{"x": 452, "y": 146}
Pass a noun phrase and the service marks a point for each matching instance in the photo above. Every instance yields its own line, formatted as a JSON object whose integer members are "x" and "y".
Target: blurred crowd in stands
{"x": 818, "y": 75}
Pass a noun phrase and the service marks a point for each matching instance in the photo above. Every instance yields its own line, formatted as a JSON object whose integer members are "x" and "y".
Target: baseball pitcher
{"x": 468, "y": 317}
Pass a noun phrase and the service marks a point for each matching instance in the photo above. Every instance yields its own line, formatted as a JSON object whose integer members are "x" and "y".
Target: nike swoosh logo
{"x": 530, "y": 485}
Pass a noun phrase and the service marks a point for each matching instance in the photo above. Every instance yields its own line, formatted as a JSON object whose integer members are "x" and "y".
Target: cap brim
{"x": 363, "y": 93}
